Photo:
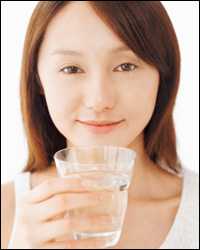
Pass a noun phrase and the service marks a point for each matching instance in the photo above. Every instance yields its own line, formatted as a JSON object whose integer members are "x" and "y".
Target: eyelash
{"x": 75, "y": 67}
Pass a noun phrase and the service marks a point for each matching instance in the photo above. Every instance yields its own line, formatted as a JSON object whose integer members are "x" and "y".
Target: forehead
{"x": 78, "y": 26}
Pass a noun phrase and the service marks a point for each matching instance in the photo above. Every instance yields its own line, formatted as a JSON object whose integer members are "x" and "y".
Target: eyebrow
{"x": 79, "y": 53}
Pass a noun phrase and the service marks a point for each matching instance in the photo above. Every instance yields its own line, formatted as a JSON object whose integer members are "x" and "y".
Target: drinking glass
{"x": 103, "y": 168}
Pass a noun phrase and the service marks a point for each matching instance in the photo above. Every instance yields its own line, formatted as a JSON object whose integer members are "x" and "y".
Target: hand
{"x": 40, "y": 224}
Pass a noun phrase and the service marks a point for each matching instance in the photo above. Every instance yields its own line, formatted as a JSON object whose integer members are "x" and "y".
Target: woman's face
{"x": 83, "y": 71}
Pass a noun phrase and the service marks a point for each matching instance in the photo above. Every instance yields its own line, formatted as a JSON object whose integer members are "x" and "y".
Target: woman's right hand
{"x": 39, "y": 221}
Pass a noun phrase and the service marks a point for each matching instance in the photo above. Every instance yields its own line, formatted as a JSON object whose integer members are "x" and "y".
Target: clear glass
{"x": 101, "y": 168}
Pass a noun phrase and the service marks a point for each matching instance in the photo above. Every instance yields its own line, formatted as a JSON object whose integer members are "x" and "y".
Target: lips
{"x": 100, "y": 128}
{"x": 99, "y": 124}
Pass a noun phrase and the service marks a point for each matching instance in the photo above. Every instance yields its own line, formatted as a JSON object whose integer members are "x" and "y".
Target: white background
{"x": 14, "y": 21}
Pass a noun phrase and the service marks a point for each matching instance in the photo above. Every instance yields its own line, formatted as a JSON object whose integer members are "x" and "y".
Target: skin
{"x": 101, "y": 90}
{"x": 101, "y": 85}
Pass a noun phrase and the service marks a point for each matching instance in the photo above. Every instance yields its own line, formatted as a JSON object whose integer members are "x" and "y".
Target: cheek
{"x": 140, "y": 105}
{"x": 61, "y": 105}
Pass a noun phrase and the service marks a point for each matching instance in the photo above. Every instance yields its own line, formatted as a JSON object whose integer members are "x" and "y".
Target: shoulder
{"x": 8, "y": 195}
{"x": 7, "y": 212}
{"x": 190, "y": 206}
{"x": 191, "y": 182}
{"x": 185, "y": 231}
{"x": 191, "y": 174}
{"x": 191, "y": 192}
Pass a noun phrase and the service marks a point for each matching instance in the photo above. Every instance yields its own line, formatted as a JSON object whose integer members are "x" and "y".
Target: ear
{"x": 39, "y": 85}
{"x": 41, "y": 90}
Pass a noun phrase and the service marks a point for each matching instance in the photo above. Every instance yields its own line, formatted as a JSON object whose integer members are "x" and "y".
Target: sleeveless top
{"x": 184, "y": 232}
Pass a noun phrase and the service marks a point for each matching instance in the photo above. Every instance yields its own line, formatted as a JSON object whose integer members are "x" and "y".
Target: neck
{"x": 147, "y": 176}
{"x": 144, "y": 171}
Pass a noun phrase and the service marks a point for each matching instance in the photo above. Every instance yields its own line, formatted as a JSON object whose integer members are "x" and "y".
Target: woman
{"x": 104, "y": 61}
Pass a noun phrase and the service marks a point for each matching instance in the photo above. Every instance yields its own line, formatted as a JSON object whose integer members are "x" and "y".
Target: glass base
{"x": 110, "y": 239}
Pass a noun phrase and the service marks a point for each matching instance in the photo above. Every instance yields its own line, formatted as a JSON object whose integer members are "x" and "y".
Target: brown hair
{"x": 146, "y": 28}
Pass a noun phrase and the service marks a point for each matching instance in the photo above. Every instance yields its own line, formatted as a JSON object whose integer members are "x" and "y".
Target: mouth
{"x": 100, "y": 127}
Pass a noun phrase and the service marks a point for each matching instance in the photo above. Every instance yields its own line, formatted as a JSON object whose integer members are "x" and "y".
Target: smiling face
{"x": 88, "y": 73}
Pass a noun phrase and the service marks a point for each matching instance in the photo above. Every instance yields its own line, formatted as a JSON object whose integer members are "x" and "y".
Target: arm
{"x": 7, "y": 212}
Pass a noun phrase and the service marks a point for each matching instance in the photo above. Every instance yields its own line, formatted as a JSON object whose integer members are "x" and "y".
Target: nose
{"x": 100, "y": 95}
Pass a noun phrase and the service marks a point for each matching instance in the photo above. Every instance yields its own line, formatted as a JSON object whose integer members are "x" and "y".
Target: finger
{"x": 92, "y": 223}
{"x": 51, "y": 230}
{"x": 91, "y": 243}
{"x": 64, "y": 227}
{"x": 55, "y": 245}
{"x": 98, "y": 223}
{"x": 54, "y": 186}
{"x": 61, "y": 203}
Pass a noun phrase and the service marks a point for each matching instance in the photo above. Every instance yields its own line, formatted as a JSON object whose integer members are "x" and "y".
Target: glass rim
{"x": 94, "y": 146}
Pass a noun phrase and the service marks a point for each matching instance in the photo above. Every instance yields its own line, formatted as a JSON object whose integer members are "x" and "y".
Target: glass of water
{"x": 100, "y": 168}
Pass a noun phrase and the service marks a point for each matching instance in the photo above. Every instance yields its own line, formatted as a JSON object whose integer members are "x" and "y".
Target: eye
{"x": 127, "y": 67}
{"x": 71, "y": 70}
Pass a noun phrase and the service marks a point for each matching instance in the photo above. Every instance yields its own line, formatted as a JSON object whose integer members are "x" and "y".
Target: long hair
{"x": 145, "y": 27}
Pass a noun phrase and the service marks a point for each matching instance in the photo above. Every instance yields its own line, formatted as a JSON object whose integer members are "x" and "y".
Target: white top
{"x": 184, "y": 233}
